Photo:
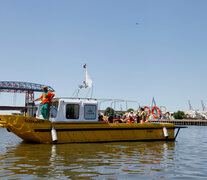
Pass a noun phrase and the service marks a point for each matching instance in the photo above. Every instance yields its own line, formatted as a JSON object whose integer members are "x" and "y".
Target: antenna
{"x": 190, "y": 107}
{"x": 153, "y": 102}
{"x": 203, "y": 106}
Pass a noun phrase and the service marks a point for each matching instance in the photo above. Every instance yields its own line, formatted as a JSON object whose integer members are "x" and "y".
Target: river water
{"x": 183, "y": 159}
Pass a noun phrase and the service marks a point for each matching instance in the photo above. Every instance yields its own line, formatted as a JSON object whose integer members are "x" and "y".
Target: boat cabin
{"x": 72, "y": 110}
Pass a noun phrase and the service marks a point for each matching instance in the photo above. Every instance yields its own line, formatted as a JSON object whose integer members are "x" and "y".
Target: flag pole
{"x": 88, "y": 82}
{"x": 92, "y": 91}
{"x": 84, "y": 66}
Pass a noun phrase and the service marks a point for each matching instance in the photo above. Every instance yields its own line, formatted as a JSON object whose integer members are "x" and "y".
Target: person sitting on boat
{"x": 117, "y": 116}
{"x": 124, "y": 118}
{"x": 172, "y": 116}
{"x": 46, "y": 102}
{"x": 131, "y": 116}
{"x": 138, "y": 117}
{"x": 100, "y": 117}
{"x": 111, "y": 119}
{"x": 167, "y": 115}
{"x": 143, "y": 115}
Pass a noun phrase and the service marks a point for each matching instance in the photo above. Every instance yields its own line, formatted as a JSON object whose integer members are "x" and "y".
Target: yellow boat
{"x": 76, "y": 121}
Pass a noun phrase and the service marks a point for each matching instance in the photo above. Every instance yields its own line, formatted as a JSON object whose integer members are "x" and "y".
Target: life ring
{"x": 146, "y": 107}
{"x": 118, "y": 121}
{"x": 156, "y": 115}
{"x": 129, "y": 121}
{"x": 106, "y": 119}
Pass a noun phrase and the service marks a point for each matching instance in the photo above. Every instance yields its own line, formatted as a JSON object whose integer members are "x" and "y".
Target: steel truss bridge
{"x": 23, "y": 87}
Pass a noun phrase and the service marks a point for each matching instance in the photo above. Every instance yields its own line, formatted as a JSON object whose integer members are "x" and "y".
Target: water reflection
{"x": 97, "y": 160}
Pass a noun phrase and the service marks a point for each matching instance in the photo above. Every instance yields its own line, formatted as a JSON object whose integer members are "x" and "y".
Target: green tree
{"x": 130, "y": 109}
{"x": 109, "y": 112}
{"x": 179, "y": 115}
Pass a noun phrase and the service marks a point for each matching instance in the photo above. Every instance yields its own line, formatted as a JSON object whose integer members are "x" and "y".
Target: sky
{"x": 134, "y": 50}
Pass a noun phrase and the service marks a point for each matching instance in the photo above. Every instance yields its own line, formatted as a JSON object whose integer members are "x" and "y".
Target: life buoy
{"x": 129, "y": 121}
{"x": 148, "y": 114}
{"x": 156, "y": 115}
{"x": 118, "y": 121}
{"x": 106, "y": 119}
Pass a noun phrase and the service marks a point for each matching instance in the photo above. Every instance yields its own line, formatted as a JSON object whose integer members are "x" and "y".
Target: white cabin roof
{"x": 77, "y": 100}
{"x": 72, "y": 110}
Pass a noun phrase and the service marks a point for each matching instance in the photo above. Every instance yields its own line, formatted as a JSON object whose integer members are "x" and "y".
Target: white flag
{"x": 89, "y": 82}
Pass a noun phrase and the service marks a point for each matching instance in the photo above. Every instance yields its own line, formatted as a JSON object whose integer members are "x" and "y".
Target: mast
{"x": 203, "y": 106}
{"x": 190, "y": 107}
{"x": 87, "y": 83}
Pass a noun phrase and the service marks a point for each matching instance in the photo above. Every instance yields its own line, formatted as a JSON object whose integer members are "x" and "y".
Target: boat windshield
{"x": 53, "y": 109}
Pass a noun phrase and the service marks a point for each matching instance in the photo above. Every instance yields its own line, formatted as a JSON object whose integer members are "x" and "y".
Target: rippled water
{"x": 183, "y": 159}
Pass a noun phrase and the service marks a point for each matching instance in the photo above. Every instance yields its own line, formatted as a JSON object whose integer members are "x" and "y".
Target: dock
{"x": 187, "y": 122}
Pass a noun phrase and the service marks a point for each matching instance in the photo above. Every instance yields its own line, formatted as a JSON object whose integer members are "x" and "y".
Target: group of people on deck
{"x": 140, "y": 116}
{"x": 132, "y": 117}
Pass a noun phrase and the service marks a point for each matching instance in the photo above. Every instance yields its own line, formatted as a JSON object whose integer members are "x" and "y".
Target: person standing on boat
{"x": 131, "y": 115}
{"x": 138, "y": 117}
{"x": 143, "y": 115}
{"x": 46, "y": 102}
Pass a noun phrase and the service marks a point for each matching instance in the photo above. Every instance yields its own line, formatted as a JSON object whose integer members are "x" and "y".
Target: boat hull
{"x": 39, "y": 130}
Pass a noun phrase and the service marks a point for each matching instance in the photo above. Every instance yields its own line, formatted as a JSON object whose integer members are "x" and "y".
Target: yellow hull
{"x": 39, "y": 130}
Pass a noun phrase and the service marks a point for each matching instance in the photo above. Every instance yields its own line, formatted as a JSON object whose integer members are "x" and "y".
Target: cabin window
{"x": 90, "y": 111}
{"x": 72, "y": 111}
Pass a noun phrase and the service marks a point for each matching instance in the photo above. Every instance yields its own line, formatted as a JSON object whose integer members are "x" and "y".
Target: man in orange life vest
{"x": 46, "y": 102}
